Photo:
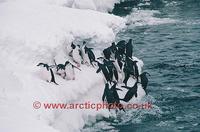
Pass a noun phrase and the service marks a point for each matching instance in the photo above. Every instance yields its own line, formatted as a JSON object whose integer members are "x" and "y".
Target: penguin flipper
{"x": 118, "y": 89}
{"x": 98, "y": 70}
{"x": 126, "y": 87}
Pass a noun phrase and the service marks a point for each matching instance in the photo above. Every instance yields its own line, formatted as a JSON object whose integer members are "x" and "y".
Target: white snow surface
{"x": 36, "y": 31}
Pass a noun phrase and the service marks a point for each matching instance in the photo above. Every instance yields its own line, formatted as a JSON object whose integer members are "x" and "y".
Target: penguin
{"x": 67, "y": 70}
{"x": 76, "y": 55}
{"x": 107, "y": 53}
{"x": 128, "y": 69}
{"x": 60, "y": 69}
{"x": 85, "y": 57}
{"x": 132, "y": 91}
{"x": 119, "y": 59}
{"x": 72, "y": 46}
{"x": 116, "y": 96}
{"x": 144, "y": 80}
{"x": 112, "y": 69}
{"x": 87, "y": 53}
{"x": 50, "y": 78}
{"x": 136, "y": 72}
{"x": 108, "y": 95}
{"x": 104, "y": 70}
{"x": 113, "y": 48}
{"x": 129, "y": 49}
{"x": 121, "y": 47}
{"x": 90, "y": 54}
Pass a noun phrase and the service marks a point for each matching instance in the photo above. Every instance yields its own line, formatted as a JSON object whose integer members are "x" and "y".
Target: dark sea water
{"x": 170, "y": 49}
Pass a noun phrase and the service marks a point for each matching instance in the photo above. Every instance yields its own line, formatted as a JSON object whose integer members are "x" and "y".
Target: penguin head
{"x": 66, "y": 63}
{"x": 73, "y": 46}
{"x": 135, "y": 61}
{"x": 40, "y": 64}
{"x": 130, "y": 40}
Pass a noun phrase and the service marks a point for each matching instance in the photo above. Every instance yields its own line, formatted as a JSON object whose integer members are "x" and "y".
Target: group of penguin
{"x": 116, "y": 63}
{"x": 118, "y": 59}
{"x": 77, "y": 55}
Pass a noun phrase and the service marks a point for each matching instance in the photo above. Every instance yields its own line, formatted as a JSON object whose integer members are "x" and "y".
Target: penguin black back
{"x": 144, "y": 80}
{"x": 121, "y": 47}
{"x": 107, "y": 53}
{"x": 90, "y": 53}
{"x": 103, "y": 68}
{"x": 44, "y": 65}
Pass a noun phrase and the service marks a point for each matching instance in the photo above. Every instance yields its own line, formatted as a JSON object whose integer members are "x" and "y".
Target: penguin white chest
{"x": 70, "y": 75}
{"x": 44, "y": 74}
{"x": 76, "y": 56}
{"x": 85, "y": 56}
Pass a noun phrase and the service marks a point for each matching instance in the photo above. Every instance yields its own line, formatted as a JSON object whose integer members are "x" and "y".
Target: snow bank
{"x": 35, "y": 31}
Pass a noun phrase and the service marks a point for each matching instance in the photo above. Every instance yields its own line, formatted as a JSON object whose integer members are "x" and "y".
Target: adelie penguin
{"x": 47, "y": 73}
{"x": 107, "y": 53}
{"x": 108, "y": 95}
{"x": 113, "y": 89}
{"x": 67, "y": 69}
{"x": 89, "y": 53}
{"x": 102, "y": 67}
{"x": 136, "y": 72}
{"x": 121, "y": 45}
{"x": 76, "y": 55}
{"x": 85, "y": 57}
{"x": 128, "y": 69}
{"x": 132, "y": 91}
{"x": 144, "y": 80}
{"x": 112, "y": 69}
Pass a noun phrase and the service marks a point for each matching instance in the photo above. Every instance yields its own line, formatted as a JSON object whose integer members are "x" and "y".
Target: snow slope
{"x": 35, "y": 31}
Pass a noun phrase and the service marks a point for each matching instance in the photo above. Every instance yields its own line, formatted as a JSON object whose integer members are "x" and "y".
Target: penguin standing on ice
{"x": 121, "y": 47}
{"x": 119, "y": 59}
{"x": 85, "y": 57}
{"x": 132, "y": 91}
{"x": 128, "y": 69}
{"x": 67, "y": 70}
{"x": 49, "y": 75}
{"x": 113, "y": 48}
{"x": 76, "y": 54}
{"x": 87, "y": 54}
{"x": 107, "y": 53}
{"x": 90, "y": 54}
{"x": 144, "y": 80}
{"x": 112, "y": 69}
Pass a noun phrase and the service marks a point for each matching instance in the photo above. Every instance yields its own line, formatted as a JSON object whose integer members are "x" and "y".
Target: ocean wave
{"x": 146, "y": 17}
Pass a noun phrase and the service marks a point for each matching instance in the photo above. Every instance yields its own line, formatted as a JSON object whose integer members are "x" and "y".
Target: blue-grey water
{"x": 171, "y": 54}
